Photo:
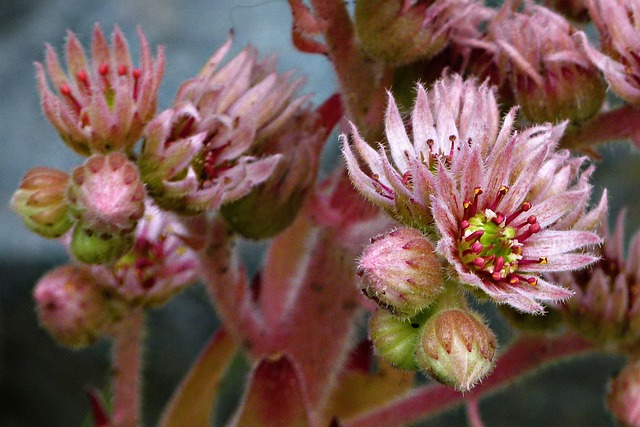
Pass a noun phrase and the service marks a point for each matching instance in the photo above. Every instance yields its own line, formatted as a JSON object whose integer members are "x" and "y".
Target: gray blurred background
{"x": 42, "y": 384}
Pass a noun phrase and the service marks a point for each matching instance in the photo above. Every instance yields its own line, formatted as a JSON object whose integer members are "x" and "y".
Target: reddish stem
{"x": 127, "y": 370}
{"x": 525, "y": 355}
{"x": 614, "y": 125}
{"x": 355, "y": 72}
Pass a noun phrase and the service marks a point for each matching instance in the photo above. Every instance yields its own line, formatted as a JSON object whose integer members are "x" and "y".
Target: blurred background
{"x": 43, "y": 384}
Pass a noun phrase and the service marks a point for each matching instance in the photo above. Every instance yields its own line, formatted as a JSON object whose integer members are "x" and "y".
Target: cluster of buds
{"x": 448, "y": 341}
{"x": 535, "y": 58}
{"x": 623, "y": 395}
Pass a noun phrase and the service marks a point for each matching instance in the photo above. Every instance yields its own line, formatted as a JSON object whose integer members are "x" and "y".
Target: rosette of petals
{"x": 230, "y": 112}
{"x": 454, "y": 113}
{"x": 606, "y": 307}
{"x": 536, "y": 55}
{"x": 618, "y": 22}
{"x": 158, "y": 266}
{"x": 102, "y": 104}
{"x": 186, "y": 174}
{"x": 506, "y": 218}
{"x": 403, "y": 31}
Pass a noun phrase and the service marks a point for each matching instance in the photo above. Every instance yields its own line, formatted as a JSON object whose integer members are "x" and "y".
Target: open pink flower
{"x": 507, "y": 217}
{"x": 102, "y": 104}
{"x": 454, "y": 113}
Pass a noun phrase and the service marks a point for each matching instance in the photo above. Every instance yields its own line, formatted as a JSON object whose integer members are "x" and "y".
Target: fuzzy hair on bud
{"x": 73, "y": 307}
{"x": 401, "y": 272}
{"x": 457, "y": 348}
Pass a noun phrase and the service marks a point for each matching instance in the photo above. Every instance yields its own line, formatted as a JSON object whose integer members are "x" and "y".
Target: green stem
{"x": 525, "y": 355}
{"x": 127, "y": 370}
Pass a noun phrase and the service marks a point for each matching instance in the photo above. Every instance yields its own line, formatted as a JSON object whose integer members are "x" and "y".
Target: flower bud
{"x": 73, "y": 307}
{"x": 92, "y": 247}
{"x": 106, "y": 194}
{"x": 401, "y": 272}
{"x": 401, "y": 32}
{"x": 395, "y": 339}
{"x": 41, "y": 204}
{"x": 622, "y": 399}
{"x": 456, "y": 348}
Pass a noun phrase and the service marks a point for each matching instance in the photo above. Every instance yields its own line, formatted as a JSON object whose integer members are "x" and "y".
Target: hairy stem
{"x": 614, "y": 125}
{"x": 355, "y": 72}
{"x": 525, "y": 355}
{"x": 127, "y": 370}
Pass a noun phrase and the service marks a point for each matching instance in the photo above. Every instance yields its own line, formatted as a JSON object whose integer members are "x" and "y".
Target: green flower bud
{"x": 91, "y": 247}
{"x": 41, "y": 204}
{"x": 394, "y": 339}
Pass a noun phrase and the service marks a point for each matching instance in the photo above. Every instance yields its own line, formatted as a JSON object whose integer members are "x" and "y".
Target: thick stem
{"x": 127, "y": 370}
{"x": 355, "y": 72}
{"x": 525, "y": 355}
{"x": 614, "y": 125}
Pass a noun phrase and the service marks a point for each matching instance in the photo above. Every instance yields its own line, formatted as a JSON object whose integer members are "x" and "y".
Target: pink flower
{"x": 158, "y": 266}
{"x": 507, "y": 217}
{"x": 618, "y": 22}
{"x": 453, "y": 114}
{"x": 101, "y": 104}
{"x": 205, "y": 151}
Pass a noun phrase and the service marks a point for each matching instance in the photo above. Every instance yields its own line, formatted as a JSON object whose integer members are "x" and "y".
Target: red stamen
{"x": 478, "y": 262}
{"x": 476, "y": 248}
{"x": 501, "y": 192}
{"x": 474, "y": 236}
{"x": 499, "y": 264}
{"x": 525, "y": 207}
{"x": 65, "y": 90}
{"x": 498, "y": 218}
{"x": 122, "y": 70}
{"x": 136, "y": 82}
{"x": 533, "y": 228}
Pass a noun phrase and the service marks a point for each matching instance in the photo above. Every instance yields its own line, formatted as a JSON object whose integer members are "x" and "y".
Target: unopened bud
{"x": 401, "y": 31}
{"x": 106, "y": 194}
{"x": 623, "y": 395}
{"x": 456, "y": 348}
{"x": 41, "y": 204}
{"x": 401, "y": 272}
{"x": 92, "y": 247}
{"x": 395, "y": 339}
{"x": 73, "y": 307}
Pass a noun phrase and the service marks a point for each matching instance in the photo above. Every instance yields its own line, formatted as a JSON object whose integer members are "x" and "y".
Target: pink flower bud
{"x": 395, "y": 339}
{"x": 73, "y": 307}
{"x": 401, "y": 272}
{"x": 106, "y": 194}
{"x": 623, "y": 395}
{"x": 40, "y": 202}
{"x": 457, "y": 348}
